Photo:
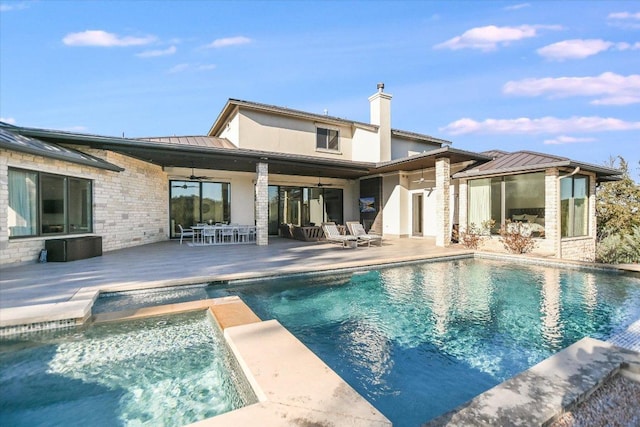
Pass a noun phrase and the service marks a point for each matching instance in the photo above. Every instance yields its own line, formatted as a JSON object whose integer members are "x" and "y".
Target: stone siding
{"x": 130, "y": 208}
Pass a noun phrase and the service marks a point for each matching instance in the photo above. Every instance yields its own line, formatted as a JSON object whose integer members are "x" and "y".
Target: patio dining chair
{"x": 185, "y": 232}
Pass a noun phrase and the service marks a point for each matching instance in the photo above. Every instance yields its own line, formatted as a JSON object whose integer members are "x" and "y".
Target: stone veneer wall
{"x": 130, "y": 208}
{"x": 443, "y": 202}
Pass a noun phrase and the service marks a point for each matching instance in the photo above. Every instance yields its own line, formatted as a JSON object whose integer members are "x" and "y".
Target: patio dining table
{"x": 205, "y": 234}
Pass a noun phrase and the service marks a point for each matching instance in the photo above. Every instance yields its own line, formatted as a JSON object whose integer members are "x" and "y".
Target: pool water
{"x": 170, "y": 370}
{"x": 419, "y": 340}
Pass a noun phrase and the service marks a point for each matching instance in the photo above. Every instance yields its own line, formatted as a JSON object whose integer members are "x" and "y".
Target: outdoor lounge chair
{"x": 332, "y": 234}
{"x": 356, "y": 229}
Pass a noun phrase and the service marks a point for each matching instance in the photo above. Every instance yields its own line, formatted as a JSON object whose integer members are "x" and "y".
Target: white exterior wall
{"x": 124, "y": 214}
{"x": 396, "y": 219}
{"x": 401, "y": 147}
{"x": 365, "y": 146}
{"x": 232, "y": 131}
{"x": 267, "y": 132}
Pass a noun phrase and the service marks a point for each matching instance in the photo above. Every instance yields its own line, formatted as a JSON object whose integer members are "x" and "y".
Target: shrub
{"x": 516, "y": 237}
{"x": 616, "y": 249}
{"x": 472, "y": 237}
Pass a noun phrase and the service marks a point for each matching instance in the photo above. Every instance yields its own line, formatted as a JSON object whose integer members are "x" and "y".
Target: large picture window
{"x": 574, "y": 206}
{"x": 304, "y": 206}
{"x": 516, "y": 198}
{"x": 194, "y": 202}
{"x": 327, "y": 139}
{"x": 47, "y": 204}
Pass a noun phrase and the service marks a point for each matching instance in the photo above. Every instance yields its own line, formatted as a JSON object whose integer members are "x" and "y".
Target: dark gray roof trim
{"x": 183, "y": 155}
{"x": 438, "y": 152}
{"x": 11, "y": 140}
{"x": 419, "y": 136}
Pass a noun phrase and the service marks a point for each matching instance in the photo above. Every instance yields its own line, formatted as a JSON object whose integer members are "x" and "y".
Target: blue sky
{"x": 554, "y": 77}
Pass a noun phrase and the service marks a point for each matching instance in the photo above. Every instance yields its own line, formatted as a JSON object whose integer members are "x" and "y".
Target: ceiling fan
{"x": 422, "y": 179}
{"x": 195, "y": 177}
{"x": 184, "y": 186}
{"x": 320, "y": 184}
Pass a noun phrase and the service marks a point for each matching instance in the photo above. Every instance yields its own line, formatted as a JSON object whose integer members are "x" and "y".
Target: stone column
{"x": 443, "y": 201}
{"x": 262, "y": 204}
{"x": 552, "y": 239}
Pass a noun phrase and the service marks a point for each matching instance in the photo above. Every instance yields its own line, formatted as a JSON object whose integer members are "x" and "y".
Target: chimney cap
{"x": 380, "y": 87}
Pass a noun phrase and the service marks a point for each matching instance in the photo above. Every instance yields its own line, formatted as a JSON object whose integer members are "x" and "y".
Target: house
{"x": 267, "y": 165}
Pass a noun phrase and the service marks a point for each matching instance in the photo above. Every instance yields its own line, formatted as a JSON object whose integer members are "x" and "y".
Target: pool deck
{"x": 60, "y": 291}
{"x": 63, "y": 290}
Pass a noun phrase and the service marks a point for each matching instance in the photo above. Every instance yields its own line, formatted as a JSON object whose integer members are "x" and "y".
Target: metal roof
{"x": 194, "y": 141}
{"x": 528, "y": 161}
{"x": 11, "y": 140}
{"x": 428, "y": 160}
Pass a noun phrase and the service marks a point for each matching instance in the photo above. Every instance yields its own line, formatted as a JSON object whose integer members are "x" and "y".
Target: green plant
{"x": 516, "y": 237}
{"x": 617, "y": 249}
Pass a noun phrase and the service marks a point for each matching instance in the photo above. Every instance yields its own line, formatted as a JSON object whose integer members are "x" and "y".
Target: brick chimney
{"x": 380, "y": 103}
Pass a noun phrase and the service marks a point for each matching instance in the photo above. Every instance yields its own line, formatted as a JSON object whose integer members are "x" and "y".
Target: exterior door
{"x": 417, "y": 214}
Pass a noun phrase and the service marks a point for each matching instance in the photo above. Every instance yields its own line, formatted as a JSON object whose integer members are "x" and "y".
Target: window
{"x": 46, "y": 204}
{"x": 195, "y": 202}
{"x": 517, "y": 198}
{"x": 574, "y": 206}
{"x": 327, "y": 139}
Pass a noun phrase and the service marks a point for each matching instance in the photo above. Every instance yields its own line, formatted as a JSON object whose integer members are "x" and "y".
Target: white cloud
{"x": 104, "y": 39}
{"x": 518, "y": 6}
{"x": 206, "y": 67}
{"x": 581, "y": 48}
{"x": 155, "y": 53}
{"x": 9, "y": 120}
{"x": 624, "y": 15}
{"x": 229, "y": 41}
{"x": 8, "y": 7}
{"x": 179, "y": 68}
{"x": 191, "y": 67}
{"x": 490, "y": 37}
{"x": 609, "y": 88}
{"x": 563, "y": 139}
{"x": 574, "y": 49}
{"x": 628, "y": 20}
{"x": 543, "y": 125}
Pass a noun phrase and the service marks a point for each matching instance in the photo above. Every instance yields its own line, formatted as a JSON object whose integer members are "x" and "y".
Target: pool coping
{"x": 291, "y": 383}
{"x": 542, "y": 393}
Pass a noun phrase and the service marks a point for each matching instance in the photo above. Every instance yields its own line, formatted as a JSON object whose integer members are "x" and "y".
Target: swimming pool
{"x": 419, "y": 340}
{"x": 169, "y": 370}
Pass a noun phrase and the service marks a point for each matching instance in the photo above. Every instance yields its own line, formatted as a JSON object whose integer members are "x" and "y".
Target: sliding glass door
{"x": 303, "y": 206}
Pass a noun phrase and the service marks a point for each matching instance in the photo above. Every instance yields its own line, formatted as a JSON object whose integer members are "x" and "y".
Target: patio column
{"x": 262, "y": 204}
{"x": 443, "y": 201}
